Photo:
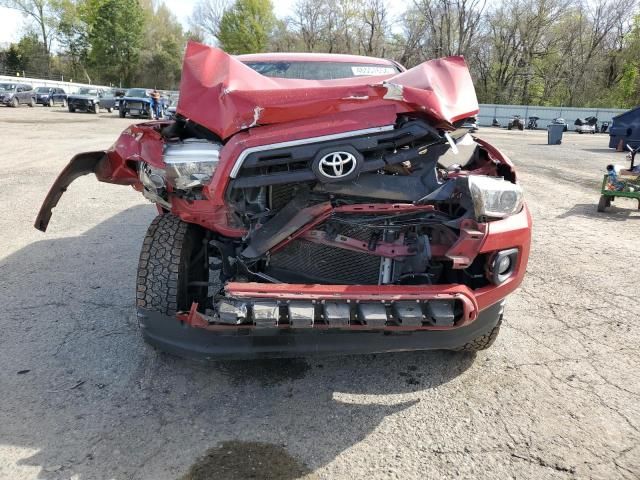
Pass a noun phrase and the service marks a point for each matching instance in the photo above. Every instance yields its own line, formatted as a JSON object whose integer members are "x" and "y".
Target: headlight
{"x": 191, "y": 163}
{"x": 151, "y": 177}
{"x": 494, "y": 197}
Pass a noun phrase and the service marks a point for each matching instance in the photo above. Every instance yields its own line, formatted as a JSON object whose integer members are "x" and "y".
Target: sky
{"x": 11, "y": 22}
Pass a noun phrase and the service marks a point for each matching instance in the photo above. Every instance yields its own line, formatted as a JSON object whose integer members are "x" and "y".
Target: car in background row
{"x": 13, "y": 94}
{"x": 136, "y": 103}
{"x": 50, "y": 96}
{"x": 89, "y": 99}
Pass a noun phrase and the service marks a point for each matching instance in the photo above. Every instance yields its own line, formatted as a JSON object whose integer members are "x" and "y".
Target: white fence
{"x": 69, "y": 87}
{"x": 546, "y": 114}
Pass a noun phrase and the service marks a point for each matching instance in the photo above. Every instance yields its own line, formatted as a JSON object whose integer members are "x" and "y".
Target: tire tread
{"x": 159, "y": 265}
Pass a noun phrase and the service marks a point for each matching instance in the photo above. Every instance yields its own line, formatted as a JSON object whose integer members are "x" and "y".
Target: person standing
{"x": 155, "y": 104}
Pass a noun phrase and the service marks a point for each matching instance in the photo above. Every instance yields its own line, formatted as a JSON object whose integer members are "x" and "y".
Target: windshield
{"x": 320, "y": 70}
{"x": 43, "y": 89}
{"x": 7, "y": 87}
{"x": 88, "y": 91}
{"x": 136, "y": 92}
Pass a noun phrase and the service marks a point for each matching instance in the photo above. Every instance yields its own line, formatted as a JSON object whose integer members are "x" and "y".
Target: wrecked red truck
{"x": 318, "y": 204}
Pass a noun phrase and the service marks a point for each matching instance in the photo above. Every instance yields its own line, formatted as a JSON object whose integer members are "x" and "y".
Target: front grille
{"x": 323, "y": 264}
{"x": 79, "y": 103}
{"x": 294, "y": 164}
{"x": 135, "y": 105}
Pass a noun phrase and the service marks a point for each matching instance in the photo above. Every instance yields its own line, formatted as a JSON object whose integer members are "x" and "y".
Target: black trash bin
{"x": 554, "y": 133}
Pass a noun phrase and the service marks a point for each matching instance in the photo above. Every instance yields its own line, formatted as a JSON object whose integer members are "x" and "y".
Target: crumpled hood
{"x": 221, "y": 93}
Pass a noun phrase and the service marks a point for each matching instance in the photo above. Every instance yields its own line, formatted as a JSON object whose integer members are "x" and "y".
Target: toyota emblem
{"x": 336, "y": 165}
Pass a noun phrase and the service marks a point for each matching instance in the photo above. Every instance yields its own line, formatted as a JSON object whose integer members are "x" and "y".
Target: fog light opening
{"x": 503, "y": 266}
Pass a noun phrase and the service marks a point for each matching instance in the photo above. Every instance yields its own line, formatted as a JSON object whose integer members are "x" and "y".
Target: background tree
{"x": 161, "y": 47}
{"x": 115, "y": 35}
{"x": 538, "y": 52}
{"x": 206, "y": 17}
{"x": 44, "y": 13}
{"x": 246, "y": 26}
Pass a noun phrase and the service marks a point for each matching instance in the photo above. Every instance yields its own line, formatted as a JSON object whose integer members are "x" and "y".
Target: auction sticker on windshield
{"x": 370, "y": 70}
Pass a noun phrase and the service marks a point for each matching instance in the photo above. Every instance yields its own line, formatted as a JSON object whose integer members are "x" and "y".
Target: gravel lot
{"x": 83, "y": 397}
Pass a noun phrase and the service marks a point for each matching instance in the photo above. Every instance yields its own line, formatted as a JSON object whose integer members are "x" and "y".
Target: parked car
{"x": 91, "y": 99}
{"x": 351, "y": 220}
{"x": 14, "y": 94}
{"x": 515, "y": 122}
{"x": 136, "y": 103}
{"x": 587, "y": 125}
{"x": 51, "y": 96}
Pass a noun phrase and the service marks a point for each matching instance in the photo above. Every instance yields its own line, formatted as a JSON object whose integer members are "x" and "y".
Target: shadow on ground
{"x": 628, "y": 211}
{"x": 84, "y": 396}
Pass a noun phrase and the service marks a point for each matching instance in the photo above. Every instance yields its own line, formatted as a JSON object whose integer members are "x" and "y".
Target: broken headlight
{"x": 191, "y": 163}
{"x": 494, "y": 197}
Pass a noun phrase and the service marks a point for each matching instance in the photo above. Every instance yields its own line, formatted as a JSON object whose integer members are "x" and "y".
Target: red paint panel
{"x": 221, "y": 93}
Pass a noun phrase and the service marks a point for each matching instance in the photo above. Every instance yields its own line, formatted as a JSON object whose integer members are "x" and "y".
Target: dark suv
{"x": 91, "y": 99}
{"x": 50, "y": 96}
{"x": 13, "y": 94}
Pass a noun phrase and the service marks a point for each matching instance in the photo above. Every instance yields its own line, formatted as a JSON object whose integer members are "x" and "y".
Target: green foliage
{"x": 246, "y": 27}
{"x": 28, "y": 56}
{"x": 115, "y": 35}
{"x": 162, "y": 46}
{"x": 541, "y": 52}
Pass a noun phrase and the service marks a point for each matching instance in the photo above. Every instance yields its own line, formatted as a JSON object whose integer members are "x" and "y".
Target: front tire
{"x": 483, "y": 341}
{"x": 71, "y": 109}
{"x": 171, "y": 260}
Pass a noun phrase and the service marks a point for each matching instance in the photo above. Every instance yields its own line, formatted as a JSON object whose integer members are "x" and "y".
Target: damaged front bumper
{"x": 215, "y": 343}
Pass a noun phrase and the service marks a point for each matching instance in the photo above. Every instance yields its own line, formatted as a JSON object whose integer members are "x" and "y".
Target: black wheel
{"x": 15, "y": 102}
{"x": 521, "y": 127}
{"x": 604, "y": 203}
{"x": 121, "y": 112}
{"x": 71, "y": 109}
{"x": 109, "y": 109}
{"x": 483, "y": 341}
{"x": 173, "y": 269}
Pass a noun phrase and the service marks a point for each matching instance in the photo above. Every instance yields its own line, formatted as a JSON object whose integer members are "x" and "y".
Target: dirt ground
{"x": 82, "y": 397}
